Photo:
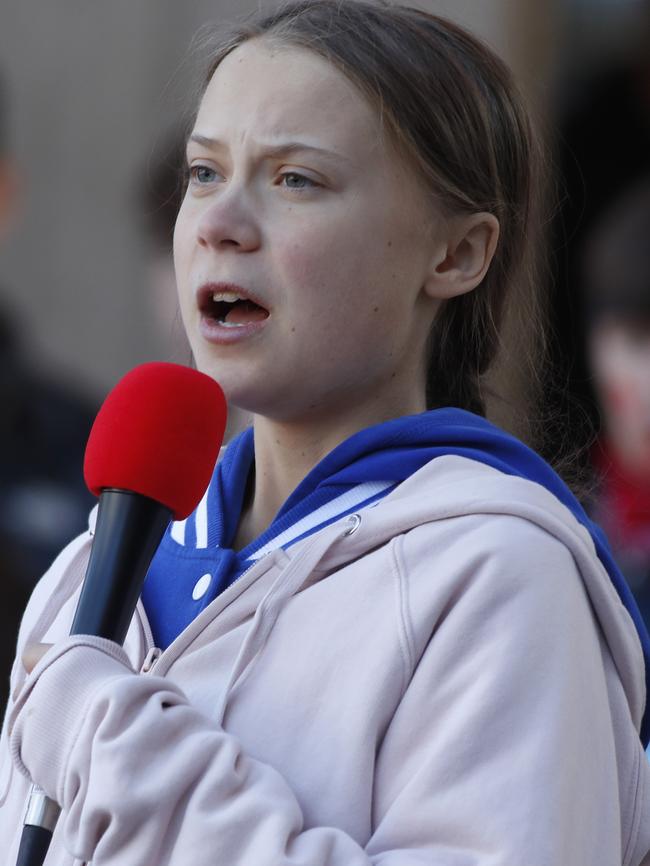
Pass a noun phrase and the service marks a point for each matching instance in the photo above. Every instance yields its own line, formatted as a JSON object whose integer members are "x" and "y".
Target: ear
{"x": 461, "y": 263}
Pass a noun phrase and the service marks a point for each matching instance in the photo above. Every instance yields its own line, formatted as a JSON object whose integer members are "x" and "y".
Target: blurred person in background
{"x": 616, "y": 278}
{"x": 43, "y": 430}
{"x": 603, "y": 149}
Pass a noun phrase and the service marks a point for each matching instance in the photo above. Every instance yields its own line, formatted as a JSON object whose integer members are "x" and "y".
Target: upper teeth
{"x": 229, "y": 297}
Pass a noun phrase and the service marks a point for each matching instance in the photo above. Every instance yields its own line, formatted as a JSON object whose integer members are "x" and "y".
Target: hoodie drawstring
{"x": 287, "y": 584}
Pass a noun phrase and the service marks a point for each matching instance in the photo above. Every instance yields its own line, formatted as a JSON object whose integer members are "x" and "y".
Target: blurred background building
{"x": 96, "y": 93}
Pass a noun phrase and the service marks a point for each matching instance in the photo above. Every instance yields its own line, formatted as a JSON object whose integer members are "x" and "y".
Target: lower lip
{"x": 215, "y": 332}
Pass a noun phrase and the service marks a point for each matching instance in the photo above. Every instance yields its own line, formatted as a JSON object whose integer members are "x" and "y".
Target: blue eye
{"x": 202, "y": 174}
{"x": 296, "y": 181}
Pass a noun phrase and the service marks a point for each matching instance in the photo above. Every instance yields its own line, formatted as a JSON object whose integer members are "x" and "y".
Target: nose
{"x": 229, "y": 223}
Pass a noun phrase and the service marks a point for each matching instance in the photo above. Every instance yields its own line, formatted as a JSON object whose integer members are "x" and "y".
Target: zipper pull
{"x": 150, "y": 660}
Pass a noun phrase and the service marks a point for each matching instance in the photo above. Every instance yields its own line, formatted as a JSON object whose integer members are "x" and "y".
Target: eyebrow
{"x": 274, "y": 150}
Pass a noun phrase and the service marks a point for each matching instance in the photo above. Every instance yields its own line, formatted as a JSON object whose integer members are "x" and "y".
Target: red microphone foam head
{"x": 158, "y": 433}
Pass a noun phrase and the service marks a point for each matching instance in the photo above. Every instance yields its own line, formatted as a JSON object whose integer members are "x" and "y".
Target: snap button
{"x": 354, "y": 521}
{"x": 201, "y": 586}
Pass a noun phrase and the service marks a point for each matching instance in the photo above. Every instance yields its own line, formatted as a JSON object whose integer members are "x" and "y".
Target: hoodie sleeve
{"x": 207, "y": 802}
{"x": 500, "y": 753}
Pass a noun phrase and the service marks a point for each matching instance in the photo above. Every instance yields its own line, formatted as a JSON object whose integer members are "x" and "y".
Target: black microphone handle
{"x": 128, "y": 531}
{"x": 34, "y": 843}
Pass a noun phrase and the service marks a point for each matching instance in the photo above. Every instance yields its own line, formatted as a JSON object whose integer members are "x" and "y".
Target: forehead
{"x": 266, "y": 90}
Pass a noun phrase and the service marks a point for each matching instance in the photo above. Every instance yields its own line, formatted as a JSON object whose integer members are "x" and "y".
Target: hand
{"x": 34, "y": 652}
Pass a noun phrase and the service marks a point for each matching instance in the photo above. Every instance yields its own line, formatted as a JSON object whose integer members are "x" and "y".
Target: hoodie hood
{"x": 382, "y": 463}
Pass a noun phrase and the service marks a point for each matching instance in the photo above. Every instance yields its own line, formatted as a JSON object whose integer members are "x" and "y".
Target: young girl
{"x": 389, "y": 634}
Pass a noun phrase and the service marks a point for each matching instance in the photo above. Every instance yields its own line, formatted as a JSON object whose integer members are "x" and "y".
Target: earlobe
{"x": 471, "y": 243}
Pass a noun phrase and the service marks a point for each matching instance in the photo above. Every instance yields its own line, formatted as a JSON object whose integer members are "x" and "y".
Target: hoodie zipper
{"x": 150, "y": 660}
{"x": 154, "y": 653}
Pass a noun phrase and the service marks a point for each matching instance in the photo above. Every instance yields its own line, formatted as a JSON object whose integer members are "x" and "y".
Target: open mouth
{"x": 231, "y": 310}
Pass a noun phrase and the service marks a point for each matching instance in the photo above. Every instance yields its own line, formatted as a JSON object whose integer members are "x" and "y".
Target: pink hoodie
{"x": 448, "y": 679}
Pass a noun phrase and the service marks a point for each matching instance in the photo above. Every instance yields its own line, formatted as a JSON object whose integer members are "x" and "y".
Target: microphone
{"x": 149, "y": 458}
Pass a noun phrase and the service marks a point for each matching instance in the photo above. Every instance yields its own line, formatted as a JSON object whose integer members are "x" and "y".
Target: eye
{"x": 295, "y": 181}
{"x": 202, "y": 174}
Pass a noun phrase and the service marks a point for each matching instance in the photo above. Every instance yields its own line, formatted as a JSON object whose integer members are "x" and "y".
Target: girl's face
{"x": 297, "y": 204}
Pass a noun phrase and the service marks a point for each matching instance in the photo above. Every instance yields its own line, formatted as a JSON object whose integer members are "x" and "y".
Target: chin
{"x": 241, "y": 395}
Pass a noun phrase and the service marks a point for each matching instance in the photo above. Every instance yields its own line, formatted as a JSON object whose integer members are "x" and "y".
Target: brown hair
{"x": 452, "y": 108}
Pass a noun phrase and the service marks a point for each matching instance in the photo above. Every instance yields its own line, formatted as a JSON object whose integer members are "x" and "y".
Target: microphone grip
{"x": 34, "y": 843}
{"x": 129, "y": 529}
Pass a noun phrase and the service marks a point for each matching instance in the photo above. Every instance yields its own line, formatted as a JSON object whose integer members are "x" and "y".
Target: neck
{"x": 286, "y": 452}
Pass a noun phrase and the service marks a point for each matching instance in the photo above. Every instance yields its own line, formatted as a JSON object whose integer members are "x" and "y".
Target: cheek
{"x": 340, "y": 275}
{"x": 311, "y": 277}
